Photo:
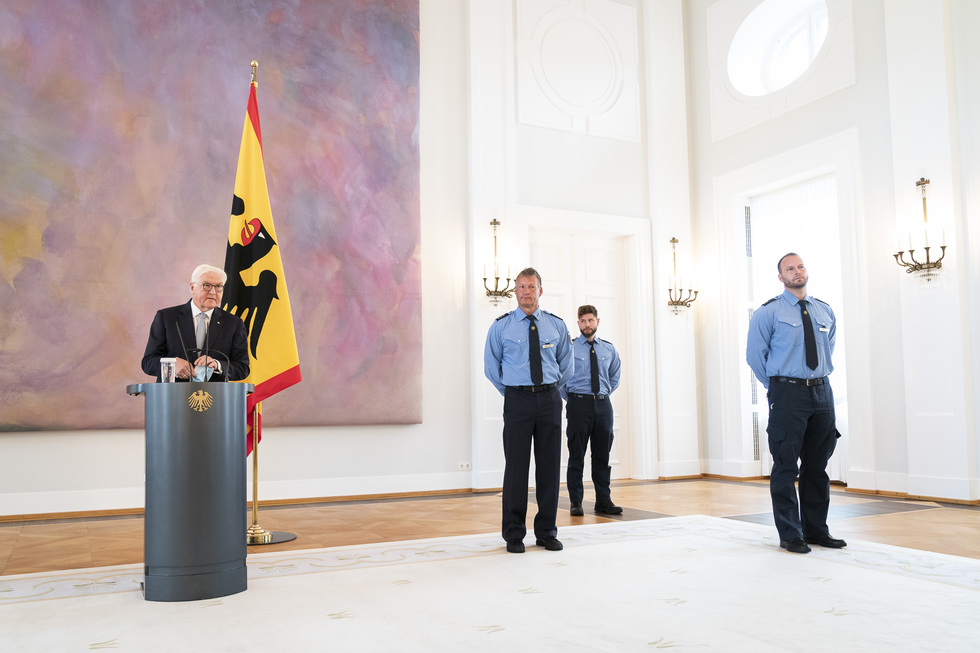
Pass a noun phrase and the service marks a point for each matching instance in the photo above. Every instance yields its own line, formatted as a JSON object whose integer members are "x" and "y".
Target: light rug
{"x": 690, "y": 583}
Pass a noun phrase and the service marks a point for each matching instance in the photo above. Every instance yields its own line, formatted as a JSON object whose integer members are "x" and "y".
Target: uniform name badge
{"x": 547, "y": 346}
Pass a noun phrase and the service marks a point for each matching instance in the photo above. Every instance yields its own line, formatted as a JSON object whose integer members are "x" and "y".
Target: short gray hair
{"x": 529, "y": 272}
{"x": 203, "y": 269}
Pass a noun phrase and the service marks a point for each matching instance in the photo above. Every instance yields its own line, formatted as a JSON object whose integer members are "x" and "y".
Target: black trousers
{"x": 531, "y": 420}
{"x": 802, "y": 437}
{"x": 589, "y": 420}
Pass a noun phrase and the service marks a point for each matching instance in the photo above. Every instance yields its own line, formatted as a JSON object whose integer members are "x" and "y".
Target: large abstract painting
{"x": 120, "y": 125}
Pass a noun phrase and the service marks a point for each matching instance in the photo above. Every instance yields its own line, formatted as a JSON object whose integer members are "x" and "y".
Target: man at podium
{"x": 199, "y": 331}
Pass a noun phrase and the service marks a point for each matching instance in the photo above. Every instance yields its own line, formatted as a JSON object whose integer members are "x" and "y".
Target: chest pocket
{"x": 788, "y": 332}
{"x": 549, "y": 337}
{"x": 821, "y": 330}
{"x": 515, "y": 347}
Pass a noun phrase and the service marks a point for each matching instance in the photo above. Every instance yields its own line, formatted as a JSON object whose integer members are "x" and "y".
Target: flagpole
{"x": 255, "y": 533}
{"x": 252, "y": 195}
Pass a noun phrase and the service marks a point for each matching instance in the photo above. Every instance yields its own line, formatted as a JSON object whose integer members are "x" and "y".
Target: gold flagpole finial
{"x": 255, "y": 72}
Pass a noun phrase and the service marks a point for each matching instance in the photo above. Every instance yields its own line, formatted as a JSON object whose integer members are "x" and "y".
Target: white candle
{"x": 925, "y": 232}
{"x": 944, "y": 238}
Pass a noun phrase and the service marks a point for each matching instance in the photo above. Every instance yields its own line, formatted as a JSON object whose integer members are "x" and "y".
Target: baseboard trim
{"x": 81, "y": 514}
{"x": 127, "y": 512}
{"x": 123, "y": 512}
{"x": 912, "y": 497}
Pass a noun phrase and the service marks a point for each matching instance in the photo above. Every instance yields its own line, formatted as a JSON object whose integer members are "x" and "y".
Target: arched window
{"x": 776, "y": 44}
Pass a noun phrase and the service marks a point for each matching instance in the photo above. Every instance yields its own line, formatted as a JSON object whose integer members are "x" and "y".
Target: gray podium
{"x": 195, "y": 520}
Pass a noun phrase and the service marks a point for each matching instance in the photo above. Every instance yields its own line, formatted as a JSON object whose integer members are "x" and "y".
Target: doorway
{"x": 580, "y": 267}
{"x": 801, "y": 217}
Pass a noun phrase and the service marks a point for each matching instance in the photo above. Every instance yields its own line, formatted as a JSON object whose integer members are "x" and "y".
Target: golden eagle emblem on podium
{"x": 200, "y": 401}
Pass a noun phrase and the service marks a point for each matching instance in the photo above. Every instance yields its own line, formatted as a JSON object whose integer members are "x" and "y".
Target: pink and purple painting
{"x": 120, "y": 125}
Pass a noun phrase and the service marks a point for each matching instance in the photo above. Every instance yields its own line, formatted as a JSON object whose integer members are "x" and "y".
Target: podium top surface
{"x": 141, "y": 388}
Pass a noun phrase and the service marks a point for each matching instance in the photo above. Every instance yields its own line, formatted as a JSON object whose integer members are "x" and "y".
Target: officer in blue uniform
{"x": 527, "y": 357}
{"x": 589, "y": 413}
{"x": 790, "y": 342}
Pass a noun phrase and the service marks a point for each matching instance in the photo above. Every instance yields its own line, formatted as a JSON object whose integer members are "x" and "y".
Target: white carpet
{"x": 697, "y": 582}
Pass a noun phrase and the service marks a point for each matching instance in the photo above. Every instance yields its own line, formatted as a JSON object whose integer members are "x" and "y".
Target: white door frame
{"x": 643, "y": 461}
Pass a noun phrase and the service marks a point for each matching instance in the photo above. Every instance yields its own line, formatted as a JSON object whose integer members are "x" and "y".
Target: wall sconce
{"x": 497, "y": 294}
{"x": 928, "y": 269}
{"x": 679, "y": 298}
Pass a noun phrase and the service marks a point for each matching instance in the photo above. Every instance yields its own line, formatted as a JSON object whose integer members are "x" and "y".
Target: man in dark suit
{"x": 199, "y": 326}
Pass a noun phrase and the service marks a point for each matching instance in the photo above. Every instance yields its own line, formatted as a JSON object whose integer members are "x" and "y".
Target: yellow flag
{"x": 256, "y": 287}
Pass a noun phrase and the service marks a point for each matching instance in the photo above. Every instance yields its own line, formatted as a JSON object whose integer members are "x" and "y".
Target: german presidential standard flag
{"x": 256, "y": 286}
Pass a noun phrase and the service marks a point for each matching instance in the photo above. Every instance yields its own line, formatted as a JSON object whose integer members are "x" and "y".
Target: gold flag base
{"x": 255, "y": 534}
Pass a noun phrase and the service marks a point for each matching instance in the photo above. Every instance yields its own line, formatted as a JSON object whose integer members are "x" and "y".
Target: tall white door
{"x": 579, "y": 267}
{"x": 799, "y": 218}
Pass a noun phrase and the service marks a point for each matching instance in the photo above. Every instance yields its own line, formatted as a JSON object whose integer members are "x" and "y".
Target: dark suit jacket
{"x": 226, "y": 337}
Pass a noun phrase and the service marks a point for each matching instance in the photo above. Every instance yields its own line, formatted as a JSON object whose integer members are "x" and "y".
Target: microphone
{"x": 182, "y": 345}
{"x": 226, "y": 370}
{"x": 227, "y": 367}
{"x": 207, "y": 345}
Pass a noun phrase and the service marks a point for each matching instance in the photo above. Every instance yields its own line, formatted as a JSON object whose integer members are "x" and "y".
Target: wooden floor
{"x": 34, "y": 546}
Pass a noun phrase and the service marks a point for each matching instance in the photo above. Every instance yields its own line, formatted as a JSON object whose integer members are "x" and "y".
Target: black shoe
{"x": 515, "y": 546}
{"x": 796, "y": 545}
{"x": 608, "y": 509}
{"x": 827, "y": 541}
{"x": 550, "y": 543}
{"x": 576, "y": 510}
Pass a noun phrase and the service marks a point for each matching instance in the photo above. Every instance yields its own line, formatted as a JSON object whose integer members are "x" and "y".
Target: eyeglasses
{"x": 208, "y": 287}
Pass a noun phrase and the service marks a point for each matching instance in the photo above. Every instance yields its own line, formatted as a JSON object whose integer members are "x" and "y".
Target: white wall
{"x": 909, "y": 370}
{"x": 577, "y": 164}
{"x": 911, "y": 381}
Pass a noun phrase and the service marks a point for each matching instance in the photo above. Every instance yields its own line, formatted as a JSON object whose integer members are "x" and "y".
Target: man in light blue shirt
{"x": 589, "y": 413}
{"x": 527, "y": 358}
{"x": 790, "y": 343}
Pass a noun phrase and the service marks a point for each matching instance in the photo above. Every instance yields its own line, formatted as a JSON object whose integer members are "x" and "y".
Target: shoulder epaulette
{"x": 819, "y": 300}
{"x": 503, "y": 316}
{"x": 550, "y": 313}
{"x": 771, "y": 300}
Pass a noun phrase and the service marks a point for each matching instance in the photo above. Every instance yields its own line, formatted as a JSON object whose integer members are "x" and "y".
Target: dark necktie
{"x": 809, "y": 341}
{"x": 534, "y": 345}
{"x": 594, "y": 360}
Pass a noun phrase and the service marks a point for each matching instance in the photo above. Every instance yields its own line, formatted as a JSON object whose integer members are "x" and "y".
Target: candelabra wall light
{"x": 679, "y": 297}
{"x": 497, "y": 294}
{"x": 928, "y": 269}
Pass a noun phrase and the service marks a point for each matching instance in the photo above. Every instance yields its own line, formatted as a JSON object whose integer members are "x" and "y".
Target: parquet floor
{"x": 53, "y": 545}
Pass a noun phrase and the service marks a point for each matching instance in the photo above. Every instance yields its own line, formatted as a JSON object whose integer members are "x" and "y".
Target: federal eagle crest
{"x": 200, "y": 401}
